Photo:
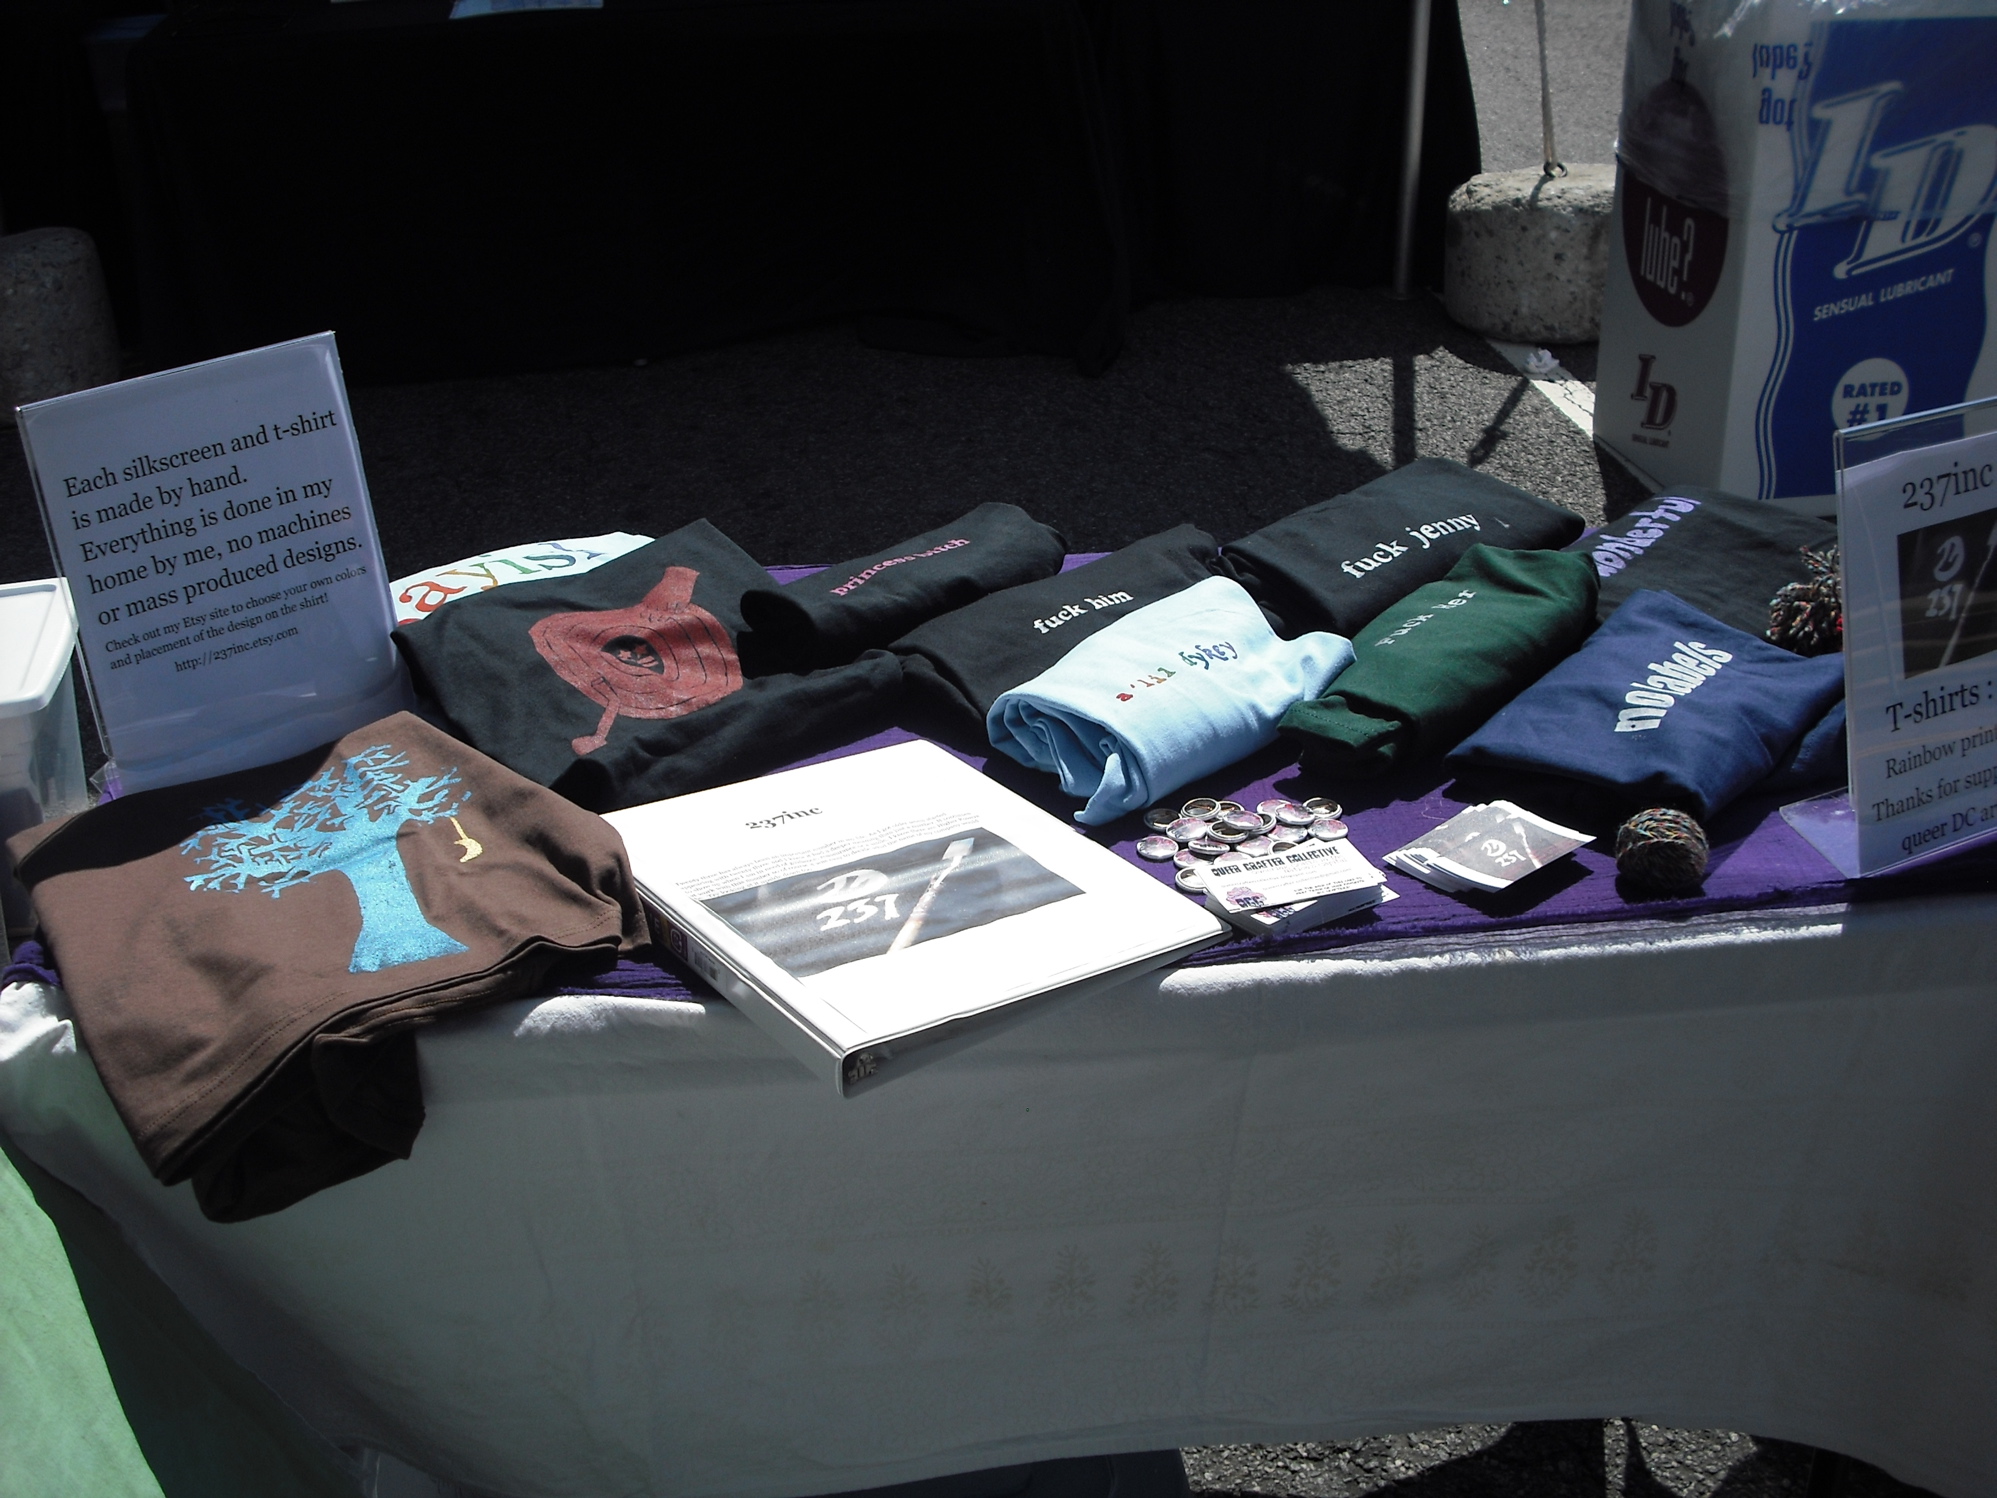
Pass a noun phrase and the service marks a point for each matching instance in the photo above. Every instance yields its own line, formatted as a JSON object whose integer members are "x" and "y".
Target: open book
{"x": 868, "y": 907}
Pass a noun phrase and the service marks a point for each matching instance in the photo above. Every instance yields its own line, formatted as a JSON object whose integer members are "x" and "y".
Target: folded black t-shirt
{"x": 1338, "y": 564}
{"x": 624, "y": 685}
{"x": 964, "y": 661}
{"x": 831, "y": 616}
{"x": 1724, "y": 555}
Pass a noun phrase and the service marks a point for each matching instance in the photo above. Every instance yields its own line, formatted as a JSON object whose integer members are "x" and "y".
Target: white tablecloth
{"x": 1740, "y": 1172}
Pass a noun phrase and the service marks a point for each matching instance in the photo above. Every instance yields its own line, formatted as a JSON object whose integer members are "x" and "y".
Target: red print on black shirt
{"x": 664, "y": 657}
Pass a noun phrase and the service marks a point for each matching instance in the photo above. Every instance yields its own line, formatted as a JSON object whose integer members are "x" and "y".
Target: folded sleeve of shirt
{"x": 1445, "y": 658}
{"x": 1817, "y": 760}
{"x": 830, "y": 617}
{"x": 1725, "y": 556}
{"x": 275, "y": 937}
{"x": 961, "y": 663}
{"x": 1665, "y": 706}
{"x": 1337, "y": 564}
{"x": 626, "y": 684}
{"x": 1161, "y": 697}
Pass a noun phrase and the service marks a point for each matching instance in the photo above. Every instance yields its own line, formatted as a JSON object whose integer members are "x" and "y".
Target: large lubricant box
{"x": 41, "y": 752}
{"x": 1804, "y": 198}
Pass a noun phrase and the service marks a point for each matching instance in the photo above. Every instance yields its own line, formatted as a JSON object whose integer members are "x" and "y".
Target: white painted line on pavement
{"x": 1570, "y": 397}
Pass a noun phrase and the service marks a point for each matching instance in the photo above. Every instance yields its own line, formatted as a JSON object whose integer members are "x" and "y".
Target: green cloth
{"x": 1446, "y": 657}
{"x": 61, "y": 1426}
{"x": 108, "y": 1387}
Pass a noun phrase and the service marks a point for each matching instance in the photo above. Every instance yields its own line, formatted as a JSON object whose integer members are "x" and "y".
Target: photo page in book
{"x": 874, "y": 896}
{"x": 863, "y": 900}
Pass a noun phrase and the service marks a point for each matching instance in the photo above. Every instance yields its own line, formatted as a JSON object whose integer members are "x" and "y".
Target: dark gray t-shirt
{"x": 1724, "y": 555}
{"x": 1339, "y": 564}
{"x": 961, "y": 663}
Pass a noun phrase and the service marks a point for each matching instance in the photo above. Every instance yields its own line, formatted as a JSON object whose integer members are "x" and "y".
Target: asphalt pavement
{"x": 1584, "y": 46}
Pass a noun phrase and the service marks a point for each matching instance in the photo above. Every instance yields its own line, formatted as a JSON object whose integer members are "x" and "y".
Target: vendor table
{"x": 593, "y": 185}
{"x": 1732, "y": 1170}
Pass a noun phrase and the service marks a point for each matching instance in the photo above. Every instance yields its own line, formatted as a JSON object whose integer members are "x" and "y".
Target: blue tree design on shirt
{"x": 344, "y": 820}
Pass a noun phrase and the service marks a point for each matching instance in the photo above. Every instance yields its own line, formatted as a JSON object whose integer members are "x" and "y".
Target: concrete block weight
{"x": 1525, "y": 254}
{"x": 56, "y": 333}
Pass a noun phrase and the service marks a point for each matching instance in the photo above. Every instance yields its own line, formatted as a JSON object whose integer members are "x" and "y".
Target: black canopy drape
{"x": 582, "y": 186}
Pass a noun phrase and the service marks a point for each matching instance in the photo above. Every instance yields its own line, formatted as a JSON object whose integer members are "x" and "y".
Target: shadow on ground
{"x": 1539, "y": 1459}
{"x": 811, "y": 446}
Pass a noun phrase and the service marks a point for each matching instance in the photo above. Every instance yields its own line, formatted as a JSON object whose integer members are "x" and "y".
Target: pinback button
{"x": 1255, "y": 847}
{"x": 1227, "y": 834}
{"x": 1206, "y": 847}
{"x": 1199, "y": 806}
{"x": 1270, "y": 808}
{"x": 1187, "y": 828}
{"x": 1324, "y": 806}
{"x": 1160, "y": 817}
{"x": 1190, "y": 881}
{"x": 1247, "y": 823}
{"x": 1157, "y": 849}
{"x": 1186, "y": 858}
{"x": 1328, "y": 829}
{"x": 1282, "y": 844}
{"x": 1227, "y": 807}
{"x": 1292, "y": 815}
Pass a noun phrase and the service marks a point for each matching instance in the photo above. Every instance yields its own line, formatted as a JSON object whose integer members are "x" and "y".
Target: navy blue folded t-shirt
{"x": 1818, "y": 759}
{"x": 1664, "y": 706}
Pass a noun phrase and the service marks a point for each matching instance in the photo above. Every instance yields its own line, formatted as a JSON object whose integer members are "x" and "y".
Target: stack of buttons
{"x": 1205, "y": 829}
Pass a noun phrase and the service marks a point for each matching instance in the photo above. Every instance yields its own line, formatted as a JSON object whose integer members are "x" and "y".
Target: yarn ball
{"x": 1808, "y": 617}
{"x": 1662, "y": 850}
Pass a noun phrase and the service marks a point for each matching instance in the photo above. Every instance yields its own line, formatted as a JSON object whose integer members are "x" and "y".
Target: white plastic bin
{"x": 41, "y": 751}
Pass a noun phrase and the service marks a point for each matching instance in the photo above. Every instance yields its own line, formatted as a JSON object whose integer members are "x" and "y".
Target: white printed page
{"x": 963, "y": 897}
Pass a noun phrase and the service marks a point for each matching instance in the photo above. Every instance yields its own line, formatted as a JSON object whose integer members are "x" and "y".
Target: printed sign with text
{"x": 1918, "y": 537}
{"x": 214, "y": 525}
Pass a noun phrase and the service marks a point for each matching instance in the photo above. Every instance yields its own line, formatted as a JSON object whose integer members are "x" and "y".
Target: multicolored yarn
{"x": 1808, "y": 617}
{"x": 1663, "y": 850}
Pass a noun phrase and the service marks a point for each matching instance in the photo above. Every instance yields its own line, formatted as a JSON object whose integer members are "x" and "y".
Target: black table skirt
{"x": 566, "y": 187}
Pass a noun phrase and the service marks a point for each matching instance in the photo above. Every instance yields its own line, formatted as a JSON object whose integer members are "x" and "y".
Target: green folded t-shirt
{"x": 1446, "y": 657}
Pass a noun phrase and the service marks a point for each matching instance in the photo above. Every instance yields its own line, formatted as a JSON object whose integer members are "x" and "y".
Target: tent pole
{"x": 1404, "y": 228}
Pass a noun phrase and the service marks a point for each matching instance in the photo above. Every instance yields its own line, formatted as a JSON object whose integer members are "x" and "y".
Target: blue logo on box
{"x": 1879, "y": 272}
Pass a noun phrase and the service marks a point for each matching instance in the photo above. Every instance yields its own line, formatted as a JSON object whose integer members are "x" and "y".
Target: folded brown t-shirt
{"x": 248, "y": 956}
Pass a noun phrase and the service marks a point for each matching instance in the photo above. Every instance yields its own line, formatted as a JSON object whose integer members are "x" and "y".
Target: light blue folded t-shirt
{"x": 1174, "y": 691}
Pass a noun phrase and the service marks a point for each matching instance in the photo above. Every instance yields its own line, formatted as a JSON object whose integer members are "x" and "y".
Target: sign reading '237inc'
{"x": 1918, "y": 536}
{"x": 214, "y": 525}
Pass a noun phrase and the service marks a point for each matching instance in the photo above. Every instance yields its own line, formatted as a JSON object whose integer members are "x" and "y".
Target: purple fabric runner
{"x": 30, "y": 963}
{"x": 1758, "y": 862}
